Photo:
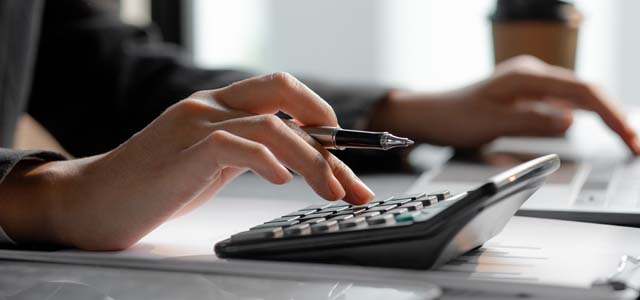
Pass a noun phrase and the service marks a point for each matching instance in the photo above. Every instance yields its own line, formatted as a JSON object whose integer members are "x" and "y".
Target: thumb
{"x": 539, "y": 120}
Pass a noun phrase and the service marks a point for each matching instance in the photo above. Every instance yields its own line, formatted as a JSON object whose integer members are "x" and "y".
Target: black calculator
{"x": 419, "y": 231}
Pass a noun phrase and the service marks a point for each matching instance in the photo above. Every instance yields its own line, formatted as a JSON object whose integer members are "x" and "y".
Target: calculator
{"x": 418, "y": 231}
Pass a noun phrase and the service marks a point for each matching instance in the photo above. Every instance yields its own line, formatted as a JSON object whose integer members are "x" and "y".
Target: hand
{"x": 524, "y": 97}
{"x": 181, "y": 159}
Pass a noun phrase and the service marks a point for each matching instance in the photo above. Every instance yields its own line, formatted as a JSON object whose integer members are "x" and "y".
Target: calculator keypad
{"x": 382, "y": 220}
{"x": 298, "y": 230}
{"x": 335, "y": 217}
{"x": 326, "y": 226}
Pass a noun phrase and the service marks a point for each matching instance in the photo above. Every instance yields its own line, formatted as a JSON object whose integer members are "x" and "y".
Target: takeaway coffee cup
{"x": 547, "y": 29}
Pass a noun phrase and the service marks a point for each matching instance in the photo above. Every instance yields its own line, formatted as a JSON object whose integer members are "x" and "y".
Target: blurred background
{"x": 417, "y": 44}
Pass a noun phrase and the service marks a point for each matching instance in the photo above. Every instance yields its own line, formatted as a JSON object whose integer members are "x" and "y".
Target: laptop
{"x": 598, "y": 181}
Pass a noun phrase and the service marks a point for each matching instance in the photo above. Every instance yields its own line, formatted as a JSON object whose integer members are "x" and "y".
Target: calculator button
{"x": 300, "y": 213}
{"x": 412, "y": 206}
{"x": 317, "y": 206}
{"x": 332, "y": 209}
{"x": 408, "y": 217}
{"x": 369, "y": 214}
{"x": 316, "y": 215}
{"x": 284, "y": 219}
{"x": 341, "y": 217}
{"x": 276, "y": 224}
{"x": 297, "y": 230}
{"x": 398, "y": 201}
{"x": 411, "y": 197}
{"x": 417, "y": 196}
{"x": 382, "y": 220}
{"x": 260, "y": 234}
{"x": 352, "y": 211}
{"x": 378, "y": 202}
{"x": 427, "y": 200}
{"x": 353, "y": 223}
{"x": 340, "y": 204}
{"x": 372, "y": 204}
{"x": 314, "y": 221}
{"x": 326, "y": 226}
{"x": 441, "y": 195}
{"x": 398, "y": 211}
{"x": 360, "y": 208}
{"x": 382, "y": 208}
{"x": 446, "y": 203}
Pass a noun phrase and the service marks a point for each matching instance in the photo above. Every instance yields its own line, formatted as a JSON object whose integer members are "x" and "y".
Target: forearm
{"x": 56, "y": 203}
{"x": 24, "y": 203}
{"x": 419, "y": 116}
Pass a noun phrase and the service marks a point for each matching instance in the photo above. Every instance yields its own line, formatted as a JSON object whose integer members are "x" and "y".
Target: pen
{"x": 340, "y": 139}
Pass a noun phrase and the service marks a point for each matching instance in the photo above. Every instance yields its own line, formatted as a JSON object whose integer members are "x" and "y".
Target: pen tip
{"x": 393, "y": 141}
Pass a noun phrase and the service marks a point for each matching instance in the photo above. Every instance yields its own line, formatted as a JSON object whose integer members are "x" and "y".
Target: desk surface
{"x": 67, "y": 282}
{"x": 25, "y": 280}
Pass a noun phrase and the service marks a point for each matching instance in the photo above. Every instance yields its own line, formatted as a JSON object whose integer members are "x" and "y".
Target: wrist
{"x": 410, "y": 114}
{"x": 26, "y": 198}
{"x": 387, "y": 115}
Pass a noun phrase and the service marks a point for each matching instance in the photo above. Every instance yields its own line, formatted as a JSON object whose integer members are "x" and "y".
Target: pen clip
{"x": 626, "y": 276}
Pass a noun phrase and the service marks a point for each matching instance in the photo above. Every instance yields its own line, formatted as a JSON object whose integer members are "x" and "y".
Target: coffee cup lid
{"x": 540, "y": 10}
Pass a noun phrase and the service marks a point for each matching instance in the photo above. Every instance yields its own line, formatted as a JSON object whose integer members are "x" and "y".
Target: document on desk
{"x": 537, "y": 257}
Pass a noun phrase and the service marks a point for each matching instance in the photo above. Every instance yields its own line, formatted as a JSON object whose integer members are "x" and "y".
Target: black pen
{"x": 340, "y": 139}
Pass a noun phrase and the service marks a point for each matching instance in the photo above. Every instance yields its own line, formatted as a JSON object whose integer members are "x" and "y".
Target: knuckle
{"x": 259, "y": 150}
{"x": 283, "y": 80}
{"x": 271, "y": 122}
{"x": 523, "y": 61}
{"x": 187, "y": 108}
{"x": 526, "y": 59}
{"x": 590, "y": 88}
{"x": 520, "y": 74}
{"x": 199, "y": 95}
{"x": 219, "y": 137}
{"x": 521, "y": 66}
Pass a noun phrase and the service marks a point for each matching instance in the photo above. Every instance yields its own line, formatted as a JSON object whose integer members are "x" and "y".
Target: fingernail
{"x": 336, "y": 188}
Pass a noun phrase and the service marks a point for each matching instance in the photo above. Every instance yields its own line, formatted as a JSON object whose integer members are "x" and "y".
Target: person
{"x": 155, "y": 136}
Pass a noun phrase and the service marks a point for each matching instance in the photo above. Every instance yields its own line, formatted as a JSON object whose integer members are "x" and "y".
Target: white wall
{"x": 334, "y": 39}
{"x": 419, "y": 44}
{"x": 628, "y": 52}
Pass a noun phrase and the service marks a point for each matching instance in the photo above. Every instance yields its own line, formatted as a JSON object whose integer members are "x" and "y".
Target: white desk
{"x": 28, "y": 280}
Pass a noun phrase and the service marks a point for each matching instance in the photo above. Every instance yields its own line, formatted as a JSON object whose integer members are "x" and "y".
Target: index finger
{"x": 583, "y": 96}
{"x": 275, "y": 92}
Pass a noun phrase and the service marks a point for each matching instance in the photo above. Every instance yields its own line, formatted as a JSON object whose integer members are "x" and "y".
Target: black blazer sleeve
{"x": 9, "y": 158}
{"x": 98, "y": 81}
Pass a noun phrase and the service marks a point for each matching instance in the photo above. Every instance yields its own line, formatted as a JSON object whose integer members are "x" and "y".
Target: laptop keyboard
{"x": 611, "y": 186}
{"x": 335, "y": 217}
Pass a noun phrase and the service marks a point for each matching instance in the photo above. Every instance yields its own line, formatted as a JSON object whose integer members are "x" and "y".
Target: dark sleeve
{"x": 9, "y": 158}
{"x": 98, "y": 80}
